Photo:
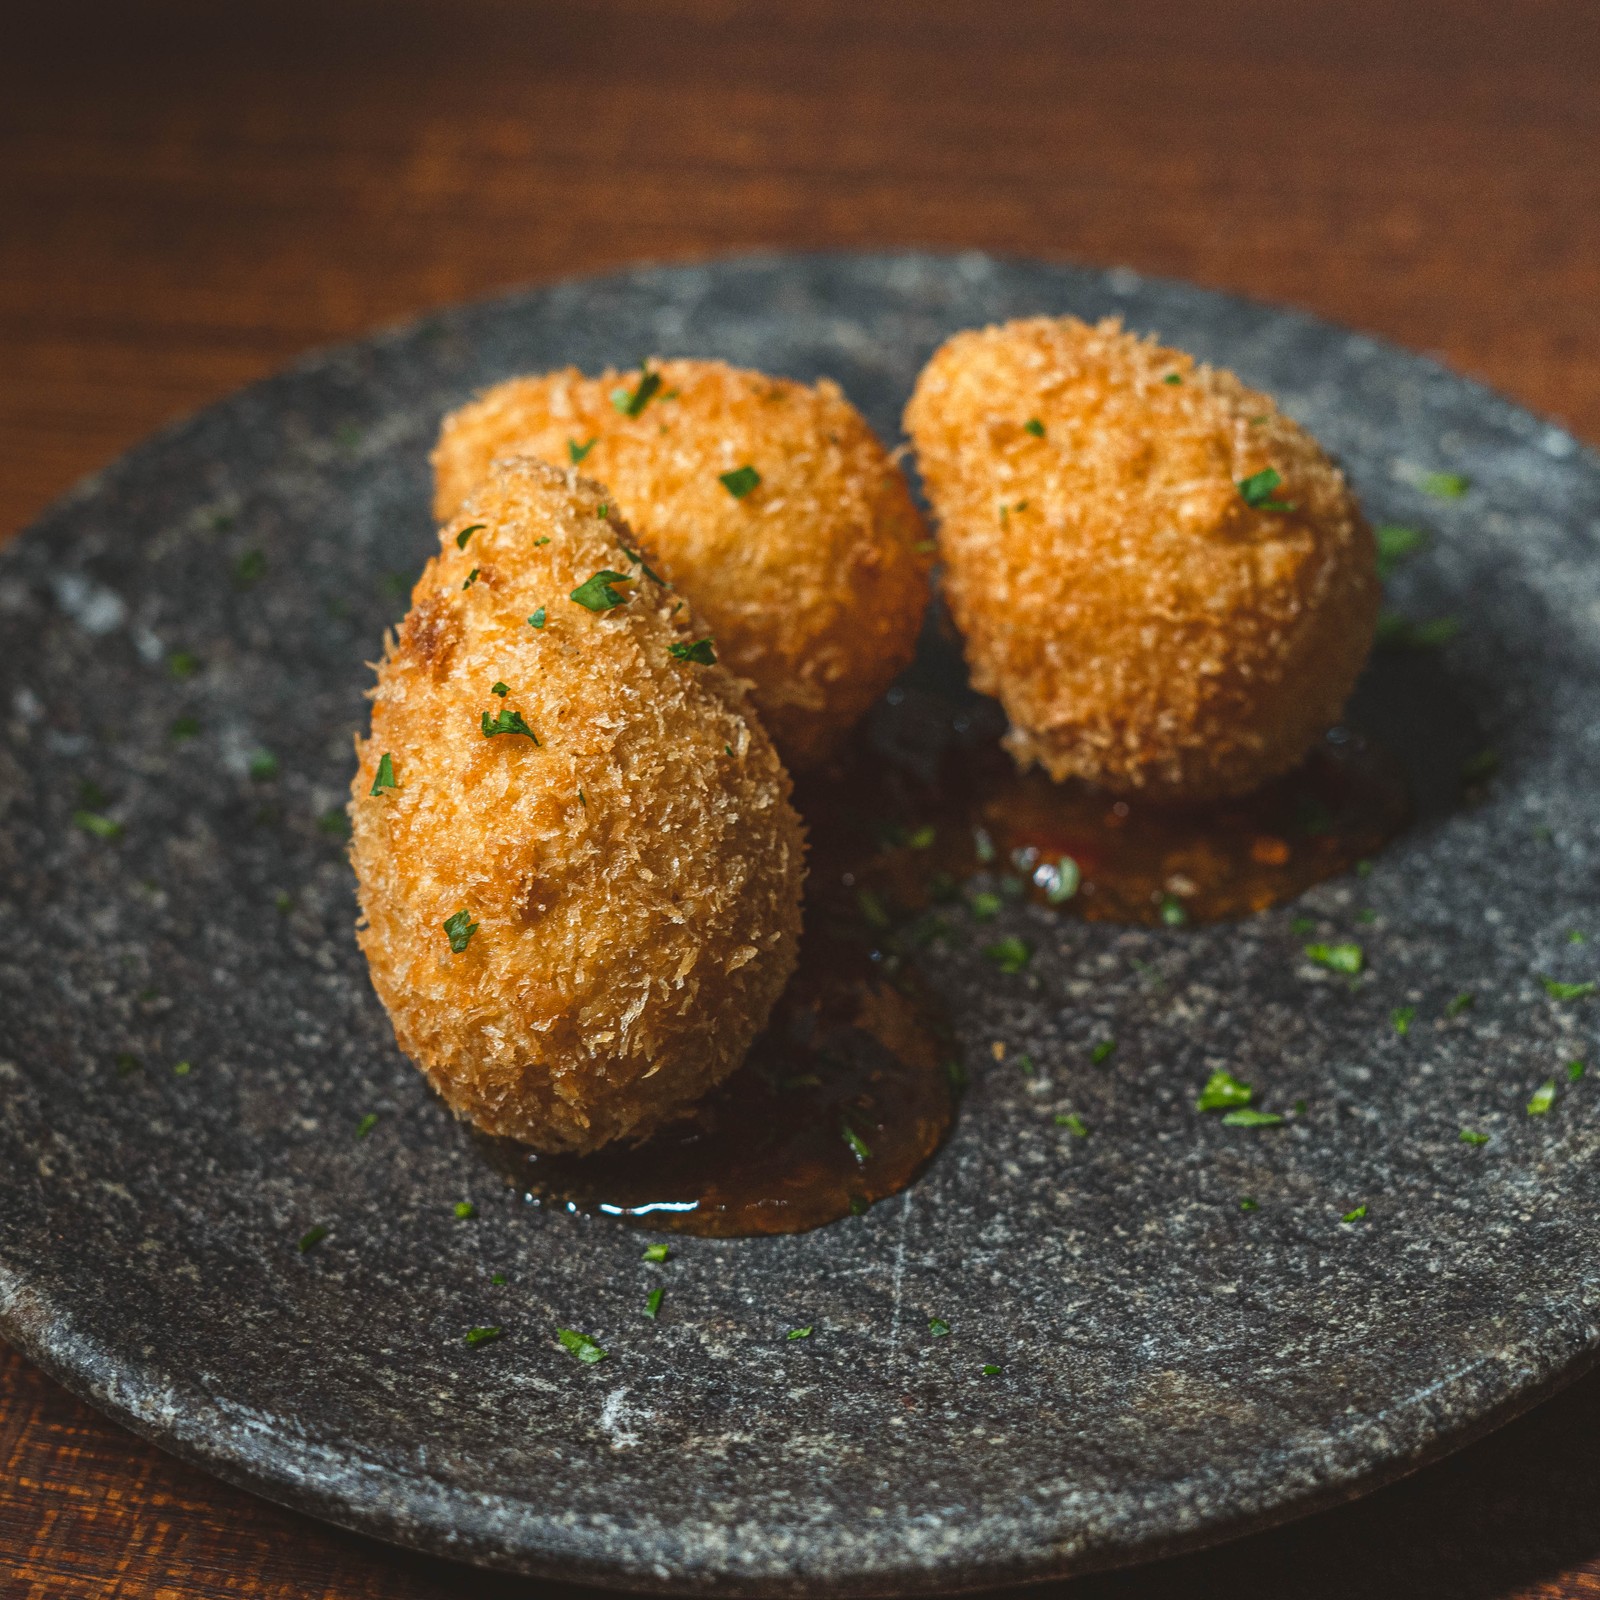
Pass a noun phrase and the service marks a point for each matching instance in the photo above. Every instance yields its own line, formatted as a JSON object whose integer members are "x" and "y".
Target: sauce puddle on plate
{"x": 852, "y": 1088}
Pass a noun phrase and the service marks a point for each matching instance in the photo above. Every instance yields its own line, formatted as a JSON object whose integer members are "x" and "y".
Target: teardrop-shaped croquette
{"x": 770, "y": 504}
{"x": 579, "y": 869}
{"x": 1164, "y": 580}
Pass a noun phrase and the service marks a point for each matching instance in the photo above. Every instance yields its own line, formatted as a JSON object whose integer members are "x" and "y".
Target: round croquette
{"x": 1164, "y": 580}
{"x": 579, "y": 869}
{"x": 771, "y": 505}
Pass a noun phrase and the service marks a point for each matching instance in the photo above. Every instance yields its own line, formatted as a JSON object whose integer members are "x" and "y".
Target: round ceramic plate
{"x": 189, "y": 1045}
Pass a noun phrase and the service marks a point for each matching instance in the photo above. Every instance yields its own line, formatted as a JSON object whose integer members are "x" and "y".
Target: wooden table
{"x": 192, "y": 193}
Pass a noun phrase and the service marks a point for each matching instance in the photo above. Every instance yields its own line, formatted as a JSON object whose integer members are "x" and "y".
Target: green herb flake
{"x": 1557, "y": 990}
{"x": 1575, "y": 1070}
{"x": 464, "y": 1209}
{"x": 740, "y": 481}
{"x": 312, "y": 1237}
{"x": 283, "y": 901}
{"x": 1347, "y": 958}
{"x": 1443, "y": 485}
{"x": 1172, "y": 912}
{"x": 184, "y": 728}
{"x": 263, "y": 766}
{"x": 1542, "y": 1098}
{"x": 1302, "y": 925}
{"x": 1249, "y": 1203}
{"x": 93, "y": 823}
{"x": 938, "y": 1327}
{"x": 649, "y": 572}
{"x": 1299, "y": 1108}
{"x": 250, "y": 568}
{"x": 497, "y": 1279}
{"x": 477, "y": 1336}
{"x": 657, "y": 1252}
{"x": 1363, "y": 868}
{"x": 581, "y": 1345}
{"x": 1472, "y": 1136}
{"x": 506, "y": 721}
{"x": 702, "y": 652}
{"x": 385, "y": 778}
{"x": 1464, "y": 1001}
{"x": 366, "y": 1124}
{"x": 1025, "y": 1064}
{"x": 1249, "y": 1117}
{"x": 1356, "y": 1215}
{"x": 1402, "y": 1017}
{"x": 1396, "y": 544}
{"x": 631, "y": 402}
{"x": 576, "y": 452}
{"x": 472, "y": 578}
{"x": 872, "y": 909}
{"x": 597, "y": 594}
{"x": 603, "y": 510}
{"x": 1073, "y": 1123}
{"x": 467, "y": 533}
{"x": 537, "y": 619}
{"x": 922, "y": 838}
{"x": 183, "y": 664}
{"x": 1258, "y": 489}
{"x": 182, "y": 1069}
{"x": 1010, "y": 954}
{"x": 652, "y": 1303}
{"x": 501, "y": 689}
{"x": 539, "y": 544}
{"x": 1034, "y": 426}
{"x": 984, "y": 906}
{"x": 1175, "y": 377}
{"x": 1103, "y": 1051}
{"x": 1223, "y": 1092}
{"x": 859, "y": 1147}
{"x": 800, "y": 1333}
{"x": 990, "y": 1370}
{"x": 983, "y": 845}
{"x": 459, "y": 929}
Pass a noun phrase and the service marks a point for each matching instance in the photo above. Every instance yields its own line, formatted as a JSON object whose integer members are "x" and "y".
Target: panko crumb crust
{"x": 814, "y": 582}
{"x": 1145, "y": 627}
{"x": 635, "y": 874}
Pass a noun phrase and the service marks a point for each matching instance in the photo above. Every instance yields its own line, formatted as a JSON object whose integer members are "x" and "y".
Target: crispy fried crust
{"x": 635, "y": 875}
{"x": 1144, "y": 627}
{"x": 814, "y": 583}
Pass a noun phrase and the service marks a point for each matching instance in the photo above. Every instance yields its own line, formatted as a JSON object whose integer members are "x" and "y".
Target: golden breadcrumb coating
{"x": 814, "y": 582}
{"x": 1144, "y": 626}
{"x": 633, "y": 867}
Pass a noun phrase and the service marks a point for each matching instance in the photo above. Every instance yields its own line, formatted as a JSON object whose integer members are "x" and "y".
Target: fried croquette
{"x": 1164, "y": 580}
{"x": 579, "y": 869}
{"x": 771, "y": 505}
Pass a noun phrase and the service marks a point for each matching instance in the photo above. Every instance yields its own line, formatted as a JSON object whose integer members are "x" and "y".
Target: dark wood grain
{"x": 192, "y": 193}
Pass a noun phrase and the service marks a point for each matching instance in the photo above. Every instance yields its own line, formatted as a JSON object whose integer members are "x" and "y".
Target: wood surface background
{"x": 192, "y": 193}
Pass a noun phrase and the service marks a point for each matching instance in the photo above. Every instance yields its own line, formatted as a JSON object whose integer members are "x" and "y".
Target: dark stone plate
{"x": 1175, "y": 1369}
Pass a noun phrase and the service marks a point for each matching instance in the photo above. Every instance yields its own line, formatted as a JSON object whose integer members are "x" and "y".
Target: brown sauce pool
{"x": 854, "y": 1086}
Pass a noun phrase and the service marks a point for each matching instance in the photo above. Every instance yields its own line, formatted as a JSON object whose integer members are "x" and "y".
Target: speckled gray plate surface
{"x": 1174, "y": 1369}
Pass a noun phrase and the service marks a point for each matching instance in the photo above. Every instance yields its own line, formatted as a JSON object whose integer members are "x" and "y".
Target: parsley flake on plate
{"x": 472, "y": 578}
{"x": 263, "y": 766}
{"x": 312, "y": 1237}
{"x": 1356, "y": 1215}
{"x": 657, "y": 1252}
{"x": 497, "y": 1278}
{"x": 990, "y": 1370}
{"x": 1103, "y": 1051}
{"x": 507, "y": 721}
{"x": 1222, "y": 1092}
{"x": 467, "y": 533}
{"x": 1172, "y": 912}
{"x": 501, "y": 689}
{"x": 652, "y": 1303}
{"x": 1472, "y": 1136}
{"x": 1542, "y": 1098}
{"x": 1034, "y": 426}
{"x": 1010, "y": 954}
{"x": 537, "y": 619}
{"x": 1557, "y": 990}
{"x": 800, "y": 1333}
{"x": 1347, "y": 958}
{"x": 1177, "y": 377}
{"x": 576, "y": 452}
{"x": 1396, "y": 544}
{"x": 1464, "y": 1001}
{"x": 250, "y": 568}
{"x": 984, "y": 906}
{"x": 859, "y": 1147}
{"x": 465, "y": 1209}
{"x": 938, "y": 1327}
{"x": 460, "y": 929}
{"x": 1443, "y": 485}
{"x": 649, "y": 571}
{"x": 581, "y": 1345}
{"x": 385, "y": 778}
{"x": 476, "y": 1336}
{"x": 1402, "y": 1018}
{"x": 93, "y": 823}
{"x": 740, "y": 481}
{"x": 1249, "y": 1117}
{"x": 631, "y": 402}
{"x": 1249, "y": 1203}
{"x": 702, "y": 652}
{"x": 1258, "y": 489}
{"x": 1575, "y": 1070}
{"x": 1073, "y": 1123}
{"x": 366, "y": 1124}
{"x": 182, "y": 1069}
{"x": 183, "y": 664}
{"x": 597, "y": 593}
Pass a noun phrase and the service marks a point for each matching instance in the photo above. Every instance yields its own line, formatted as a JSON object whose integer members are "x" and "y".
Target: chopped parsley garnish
{"x": 263, "y": 765}
{"x": 184, "y": 728}
{"x": 1557, "y": 990}
{"x": 576, "y": 452}
{"x": 1575, "y": 1070}
{"x": 983, "y": 845}
{"x": 938, "y": 1327}
{"x": 465, "y": 1209}
{"x": 1299, "y": 1108}
{"x": 652, "y": 1303}
{"x": 250, "y": 568}
{"x": 459, "y": 929}
{"x": 1034, "y": 426}
{"x": 596, "y": 593}
{"x": 183, "y": 664}
{"x": 284, "y": 901}
{"x": 1073, "y": 1123}
{"x": 1177, "y": 377}
{"x": 1402, "y": 1018}
{"x": 467, "y": 533}
{"x": 1464, "y": 1001}
{"x": 1363, "y": 868}
{"x": 1472, "y": 1136}
{"x": 1222, "y": 1092}
{"x": 581, "y": 1345}
{"x": 922, "y": 838}
{"x": 631, "y": 403}
{"x": 537, "y": 619}
{"x": 985, "y": 905}
{"x": 873, "y": 911}
{"x": 1443, "y": 485}
{"x": 501, "y": 689}
{"x": 101, "y": 827}
{"x": 858, "y": 1146}
{"x": 1483, "y": 765}
{"x": 603, "y": 510}
{"x": 1103, "y": 1051}
{"x": 366, "y": 1124}
{"x": 1369, "y": 915}
{"x": 1396, "y": 544}
{"x": 334, "y": 822}
{"x": 657, "y": 1252}
{"x": 472, "y": 578}
{"x": 385, "y": 778}
{"x": 182, "y": 1069}
{"x": 1025, "y": 1064}
{"x": 312, "y": 1237}
{"x": 740, "y": 481}
{"x": 990, "y": 1370}
{"x": 702, "y": 652}
{"x": 1172, "y": 912}
{"x": 483, "y": 1335}
{"x": 1249, "y": 1117}
{"x": 1258, "y": 489}
{"x": 539, "y": 544}
{"x": 1356, "y": 1215}
{"x": 649, "y": 572}
{"x": 1010, "y": 954}
{"x": 1248, "y": 1203}
{"x": 1346, "y": 958}
{"x": 497, "y": 1278}
{"x": 800, "y": 1333}
{"x": 506, "y": 721}
{"x": 1302, "y": 925}
{"x": 1543, "y": 1098}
